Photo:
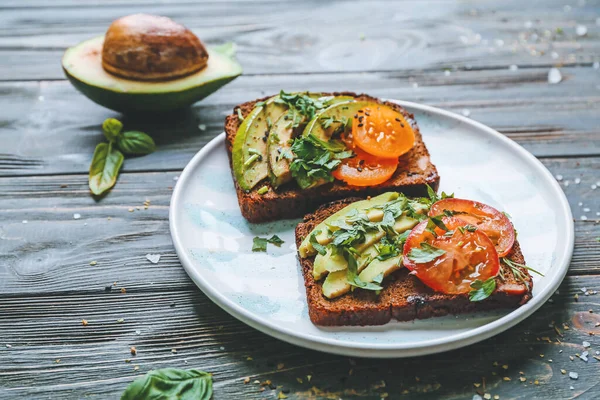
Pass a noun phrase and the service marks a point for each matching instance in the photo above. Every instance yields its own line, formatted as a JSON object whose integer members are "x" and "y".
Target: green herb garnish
{"x": 239, "y": 114}
{"x": 314, "y": 160}
{"x": 482, "y": 290}
{"x": 108, "y": 157}
{"x": 260, "y": 244}
{"x": 425, "y": 253}
{"x": 263, "y": 190}
{"x": 322, "y": 250}
{"x": 352, "y": 274}
{"x": 171, "y": 383}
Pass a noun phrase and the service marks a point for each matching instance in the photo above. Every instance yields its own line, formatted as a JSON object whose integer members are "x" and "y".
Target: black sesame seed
{"x": 398, "y": 119}
{"x": 360, "y": 119}
{"x": 360, "y": 111}
{"x": 355, "y": 115}
{"x": 264, "y": 139}
{"x": 359, "y": 169}
{"x": 360, "y": 125}
{"x": 367, "y": 114}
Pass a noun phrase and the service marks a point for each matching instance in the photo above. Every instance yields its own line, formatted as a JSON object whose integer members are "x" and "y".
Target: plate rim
{"x": 383, "y": 350}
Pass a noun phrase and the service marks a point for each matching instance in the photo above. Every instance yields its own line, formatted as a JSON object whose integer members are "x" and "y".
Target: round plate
{"x": 266, "y": 290}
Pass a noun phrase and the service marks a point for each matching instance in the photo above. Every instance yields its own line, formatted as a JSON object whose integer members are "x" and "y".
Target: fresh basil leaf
{"x": 259, "y": 244}
{"x": 105, "y": 167}
{"x": 437, "y": 221}
{"x": 425, "y": 253}
{"x": 482, "y": 290}
{"x": 322, "y": 250}
{"x": 112, "y": 128}
{"x": 386, "y": 249}
{"x": 171, "y": 383}
{"x": 433, "y": 197}
{"x": 276, "y": 240}
{"x": 135, "y": 143}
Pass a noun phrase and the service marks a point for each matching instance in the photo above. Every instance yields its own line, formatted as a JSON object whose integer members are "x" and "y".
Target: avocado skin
{"x": 141, "y": 102}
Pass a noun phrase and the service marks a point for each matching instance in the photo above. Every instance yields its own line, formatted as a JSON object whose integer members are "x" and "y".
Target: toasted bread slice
{"x": 414, "y": 172}
{"x": 404, "y": 297}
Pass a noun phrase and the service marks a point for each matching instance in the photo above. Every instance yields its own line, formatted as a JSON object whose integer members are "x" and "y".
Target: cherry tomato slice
{"x": 365, "y": 169}
{"x": 489, "y": 220}
{"x": 382, "y": 132}
{"x": 468, "y": 256}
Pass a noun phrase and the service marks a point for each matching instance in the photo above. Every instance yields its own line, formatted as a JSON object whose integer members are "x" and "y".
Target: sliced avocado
{"x": 405, "y": 223}
{"x": 377, "y": 267}
{"x": 370, "y": 239}
{"x": 328, "y": 263}
{"x": 335, "y": 284}
{"x": 83, "y": 67}
{"x": 306, "y": 248}
{"x": 280, "y": 141}
{"x": 249, "y": 154}
{"x": 336, "y": 114}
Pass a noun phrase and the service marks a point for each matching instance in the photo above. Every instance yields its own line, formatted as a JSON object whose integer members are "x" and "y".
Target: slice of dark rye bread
{"x": 404, "y": 297}
{"x": 415, "y": 170}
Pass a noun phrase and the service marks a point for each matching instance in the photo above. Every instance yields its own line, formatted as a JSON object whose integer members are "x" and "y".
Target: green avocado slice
{"x": 82, "y": 65}
{"x": 280, "y": 141}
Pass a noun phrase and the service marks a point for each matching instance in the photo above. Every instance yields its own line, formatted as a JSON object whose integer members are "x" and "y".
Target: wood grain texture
{"x": 49, "y": 128}
{"x": 317, "y": 36}
{"x": 44, "y": 329}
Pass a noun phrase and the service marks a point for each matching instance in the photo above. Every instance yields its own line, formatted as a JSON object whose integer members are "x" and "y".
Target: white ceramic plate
{"x": 266, "y": 290}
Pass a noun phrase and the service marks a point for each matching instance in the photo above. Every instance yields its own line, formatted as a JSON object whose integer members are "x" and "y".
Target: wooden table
{"x": 485, "y": 59}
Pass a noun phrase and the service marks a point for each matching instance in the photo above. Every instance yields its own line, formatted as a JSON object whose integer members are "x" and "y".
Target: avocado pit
{"x": 151, "y": 48}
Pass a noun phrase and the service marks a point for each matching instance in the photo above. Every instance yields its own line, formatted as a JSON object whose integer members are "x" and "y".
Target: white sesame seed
{"x": 594, "y": 187}
{"x": 581, "y": 30}
{"x": 567, "y": 182}
{"x": 583, "y": 218}
{"x": 447, "y": 73}
{"x": 554, "y": 55}
{"x": 559, "y": 177}
{"x": 577, "y": 181}
{"x": 24, "y": 221}
{"x": 175, "y": 178}
{"x": 76, "y": 216}
{"x": 580, "y": 204}
{"x": 586, "y": 209}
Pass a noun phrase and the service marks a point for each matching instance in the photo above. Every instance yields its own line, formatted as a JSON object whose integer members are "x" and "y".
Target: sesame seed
{"x": 559, "y": 177}
{"x": 573, "y": 375}
{"x": 577, "y": 181}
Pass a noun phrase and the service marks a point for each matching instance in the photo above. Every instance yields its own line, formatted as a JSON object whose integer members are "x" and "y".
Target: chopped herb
{"x": 352, "y": 274}
{"x": 437, "y": 221}
{"x": 386, "y": 249}
{"x": 470, "y": 228}
{"x": 263, "y": 190}
{"x": 378, "y": 279}
{"x": 251, "y": 160}
{"x": 482, "y": 290}
{"x": 239, "y": 114}
{"x": 260, "y": 244}
{"x": 315, "y": 160}
{"x": 425, "y": 253}
{"x": 269, "y": 123}
{"x": 322, "y": 250}
{"x": 301, "y": 103}
{"x": 276, "y": 240}
{"x": 517, "y": 273}
{"x": 259, "y": 104}
{"x": 461, "y": 230}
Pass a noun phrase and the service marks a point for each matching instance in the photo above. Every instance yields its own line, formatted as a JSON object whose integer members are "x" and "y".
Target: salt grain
{"x": 573, "y": 375}
{"x": 465, "y": 112}
{"x": 528, "y": 24}
{"x": 554, "y": 76}
{"x": 581, "y": 30}
{"x": 76, "y": 216}
{"x": 577, "y": 181}
{"x": 447, "y": 73}
{"x": 202, "y": 127}
{"x": 593, "y": 187}
{"x": 559, "y": 177}
{"x": 596, "y": 65}
{"x": 24, "y": 221}
{"x": 153, "y": 258}
{"x": 580, "y": 204}
{"x": 513, "y": 67}
{"x": 554, "y": 55}
{"x": 586, "y": 344}
{"x": 586, "y": 209}
{"x": 583, "y": 218}
{"x": 415, "y": 85}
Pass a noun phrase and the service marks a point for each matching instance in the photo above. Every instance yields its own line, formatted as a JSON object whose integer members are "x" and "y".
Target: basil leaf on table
{"x": 171, "y": 383}
{"x": 136, "y": 143}
{"x": 105, "y": 167}
{"x": 112, "y": 128}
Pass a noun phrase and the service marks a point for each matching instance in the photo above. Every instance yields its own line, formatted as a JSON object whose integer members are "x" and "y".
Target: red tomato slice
{"x": 382, "y": 132}
{"x": 489, "y": 220}
{"x": 468, "y": 257}
{"x": 365, "y": 169}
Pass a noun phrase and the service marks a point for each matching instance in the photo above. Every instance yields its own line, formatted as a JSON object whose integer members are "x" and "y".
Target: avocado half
{"x": 83, "y": 67}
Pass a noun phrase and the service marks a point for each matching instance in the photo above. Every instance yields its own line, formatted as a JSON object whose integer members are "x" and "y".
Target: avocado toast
{"x": 266, "y": 188}
{"x": 363, "y": 297}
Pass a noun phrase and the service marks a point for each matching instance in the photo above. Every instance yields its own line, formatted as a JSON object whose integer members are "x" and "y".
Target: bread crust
{"x": 415, "y": 171}
{"x": 404, "y": 297}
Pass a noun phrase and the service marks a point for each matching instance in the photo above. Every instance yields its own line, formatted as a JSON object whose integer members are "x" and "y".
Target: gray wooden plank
{"x": 49, "y": 128}
{"x": 44, "y": 329}
{"x": 301, "y": 36}
{"x": 52, "y": 251}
